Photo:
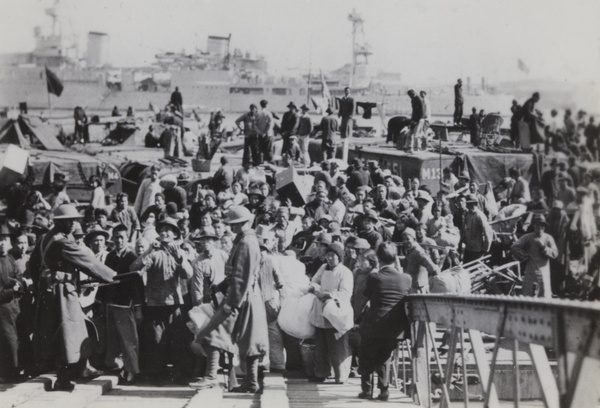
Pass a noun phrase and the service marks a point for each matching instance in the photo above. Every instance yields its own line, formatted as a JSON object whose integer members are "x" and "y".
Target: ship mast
{"x": 52, "y": 12}
{"x": 359, "y": 47}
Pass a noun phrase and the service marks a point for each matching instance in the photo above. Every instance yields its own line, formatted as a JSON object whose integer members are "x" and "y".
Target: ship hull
{"x": 202, "y": 90}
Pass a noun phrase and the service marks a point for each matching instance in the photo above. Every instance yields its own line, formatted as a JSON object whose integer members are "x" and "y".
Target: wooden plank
{"x": 464, "y": 368}
{"x": 586, "y": 389}
{"x": 576, "y": 369}
{"x": 483, "y": 367}
{"x": 517, "y": 383}
{"x": 303, "y": 394}
{"x": 495, "y": 356}
{"x": 421, "y": 375}
{"x": 446, "y": 395}
{"x": 544, "y": 374}
{"x": 450, "y": 360}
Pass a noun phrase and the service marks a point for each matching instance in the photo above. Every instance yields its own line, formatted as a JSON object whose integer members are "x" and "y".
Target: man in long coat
{"x": 243, "y": 295}
{"x": 60, "y": 332}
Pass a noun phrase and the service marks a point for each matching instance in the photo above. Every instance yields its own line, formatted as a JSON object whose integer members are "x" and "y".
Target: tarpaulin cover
{"x": 44, "y": 132}
{"x": 50, "y": 171}
{"x": 482, "y": 166}
{"x": 494, "y": 167}
{"x": 11, "y": 134}
{"x": 14, "y": 131}
{"x": 77, "y": 174}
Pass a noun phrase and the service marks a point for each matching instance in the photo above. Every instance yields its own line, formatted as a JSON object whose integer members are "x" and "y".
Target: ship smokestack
{"x": 97, "y": 49}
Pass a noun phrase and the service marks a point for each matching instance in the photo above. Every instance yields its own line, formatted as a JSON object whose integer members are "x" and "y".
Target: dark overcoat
{"x": 386, "y": 317}
{"x": 60, "y": 332}
{"x": 9, "y": 311}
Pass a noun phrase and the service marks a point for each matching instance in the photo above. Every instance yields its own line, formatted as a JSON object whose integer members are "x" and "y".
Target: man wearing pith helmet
{"x": 244, "y": 297}
{"x": 60, "y": 333}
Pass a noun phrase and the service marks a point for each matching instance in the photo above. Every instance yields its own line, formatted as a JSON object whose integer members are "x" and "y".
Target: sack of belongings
{"x": 448, "y": 237}
{"x": 454, "y": 280}
{"x": 340, "y": 315}
{"x": 199, "y": 317}
{"x": 293, "y": 274}
{"x": 294, "y": 316}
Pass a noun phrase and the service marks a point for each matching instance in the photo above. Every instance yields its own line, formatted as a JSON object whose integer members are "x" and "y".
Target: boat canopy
{"x": 26, "y": 131}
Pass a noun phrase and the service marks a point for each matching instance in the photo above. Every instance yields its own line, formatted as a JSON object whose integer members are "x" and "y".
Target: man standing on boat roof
{"x": 529, "y": 115}
{"x": 329, "y": 127}
{"x": 305, "y": 128}
{"x": 346, "y": 112}
{"x": 177, "y": 99}
{"x": 250, "y": 135}
{"x": 265, "y": 123}
{"x": 458, "y": 102}
{"x": 416, "y": 121}
{"x": 289, "y": 125}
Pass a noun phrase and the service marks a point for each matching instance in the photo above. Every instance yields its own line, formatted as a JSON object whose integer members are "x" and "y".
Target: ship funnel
{"x": 97, "y": 49}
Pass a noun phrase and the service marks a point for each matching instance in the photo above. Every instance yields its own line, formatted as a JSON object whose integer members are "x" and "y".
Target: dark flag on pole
{"x": 54, "y": 84}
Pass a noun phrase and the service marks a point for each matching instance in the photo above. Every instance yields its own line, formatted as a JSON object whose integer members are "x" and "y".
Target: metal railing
{"x": 567, "y": 329}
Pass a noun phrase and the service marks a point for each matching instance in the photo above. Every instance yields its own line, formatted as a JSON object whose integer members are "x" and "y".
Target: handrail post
{"x": 517, "y": 377}
{"x": 499, "y": 333}
{"x": 464, "y": 368}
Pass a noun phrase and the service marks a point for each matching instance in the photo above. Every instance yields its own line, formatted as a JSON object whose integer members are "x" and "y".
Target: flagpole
{"x": 441, "y": 169}
{"x": 309, "y": 71}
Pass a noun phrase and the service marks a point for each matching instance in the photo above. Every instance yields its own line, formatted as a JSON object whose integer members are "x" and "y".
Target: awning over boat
{"x": 26, "y": 131}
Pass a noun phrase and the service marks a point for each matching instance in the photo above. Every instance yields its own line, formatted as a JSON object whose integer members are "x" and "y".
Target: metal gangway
{"x": 565, "y": 330}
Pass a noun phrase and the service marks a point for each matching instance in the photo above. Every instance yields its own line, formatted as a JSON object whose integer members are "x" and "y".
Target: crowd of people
{"x": 296, "y": 128}
{"x": 574, "y": 136}
{"x": 110, "y": 288}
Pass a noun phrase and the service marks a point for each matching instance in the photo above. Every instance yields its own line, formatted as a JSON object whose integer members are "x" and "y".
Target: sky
{"x": 427, "y": 41}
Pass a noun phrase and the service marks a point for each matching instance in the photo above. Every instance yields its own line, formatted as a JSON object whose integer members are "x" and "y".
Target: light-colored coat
{"x": 339, "y": 282}
{"x": 537, "y": 252}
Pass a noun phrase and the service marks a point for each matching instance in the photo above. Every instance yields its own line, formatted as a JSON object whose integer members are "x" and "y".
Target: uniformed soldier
{"x": 250, "y": 330}
{"x": 11, "y": 287}
{"x": 60, "y": 332}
